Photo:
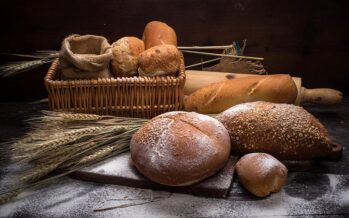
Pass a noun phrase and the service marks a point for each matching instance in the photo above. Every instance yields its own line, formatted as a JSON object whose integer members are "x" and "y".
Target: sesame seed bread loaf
{"x": 217, "y": 97}
{"x": 180, "y": 148}
{"x": 286, "y": 131}
{"x": 261, "y": 173}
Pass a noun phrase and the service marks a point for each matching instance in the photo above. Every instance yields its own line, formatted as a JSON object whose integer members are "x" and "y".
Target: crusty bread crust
{"x": 159, "y": 60}
{"x": 286, "y": 131}
{"x": 217, "y": 97}
{"x": 125, "y": 52}
{"x": 158, "y": 33}
{"x": 261, "y": 173}
{"x": 180, "y": 148}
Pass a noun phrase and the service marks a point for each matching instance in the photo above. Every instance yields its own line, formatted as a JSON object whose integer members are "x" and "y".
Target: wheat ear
{"x": 9, "y": 196}
{"x": 39, "y": 172}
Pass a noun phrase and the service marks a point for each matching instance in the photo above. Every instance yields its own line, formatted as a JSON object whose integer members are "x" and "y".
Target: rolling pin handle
{"x": 323, "y": 96}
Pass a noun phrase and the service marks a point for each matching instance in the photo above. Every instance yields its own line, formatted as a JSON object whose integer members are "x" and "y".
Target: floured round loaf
{"x": 158, "y": 33}
{"x": 180, "y": 148}
{"x": 160, "y": 60}
{"x": 125, "y": 56}
{"x": 286, "y": 131}
{"x": 261, "y": 173}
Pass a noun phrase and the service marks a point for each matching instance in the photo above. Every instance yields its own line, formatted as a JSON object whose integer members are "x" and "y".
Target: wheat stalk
{"x": 55, "y": 138}
{"x": 38, "y": 172}
{"x": 102, "y": 153}
{"x": 50, "y": 115}
{"x": 14, "y": 68}
{"x": 41, "y": 58}
{"x": 114, "y": 145}
{"x": 78, "y": 149}
{"x": 49, "y": 146}
{"x": 9, "y": 196}
{"x": 214, "y": 47}
{"x": 64, "y": 154}
{"x": 84, "y": 139}
{"x": 56, "y": 141}
{"x": 223, "y": 55}
{"x": 4, "y": 196}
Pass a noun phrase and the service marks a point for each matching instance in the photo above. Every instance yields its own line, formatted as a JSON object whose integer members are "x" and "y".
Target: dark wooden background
{"x": 304, "y": 38}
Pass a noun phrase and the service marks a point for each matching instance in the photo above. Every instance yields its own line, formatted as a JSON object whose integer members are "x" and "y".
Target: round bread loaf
{"x": 286, "y": 131}
{"x": 125, "y": 56}
{"x": 261, "y": 173}
{"x": 180, "y": 148}
{"x": 158, "y": 33}
{"x": 159, "y": 60}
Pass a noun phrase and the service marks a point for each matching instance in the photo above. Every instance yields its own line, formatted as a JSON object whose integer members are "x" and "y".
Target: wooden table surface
{"x": 323, "y": 191}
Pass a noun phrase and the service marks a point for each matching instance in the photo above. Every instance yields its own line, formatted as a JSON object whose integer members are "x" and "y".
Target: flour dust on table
{"x": 72, "y": 198}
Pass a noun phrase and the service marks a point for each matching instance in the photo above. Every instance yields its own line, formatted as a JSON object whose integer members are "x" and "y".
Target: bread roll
{"x": 286, "y": 131}
{"x": 261, "y": 173}
{"x": 180, "y": 148}
{"x": 158, "y": 33}
{"x": 159, "y": 60}
{"x": 125, "y": 56}
{"x": 218, "y": 97}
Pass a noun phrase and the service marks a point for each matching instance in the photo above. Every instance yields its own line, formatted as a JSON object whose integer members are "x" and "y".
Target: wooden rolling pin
{"x": 324, "y": 96}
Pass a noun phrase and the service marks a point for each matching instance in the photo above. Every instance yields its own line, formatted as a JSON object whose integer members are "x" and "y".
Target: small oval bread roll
{"x": 158, "y": 33}
{"x": 286, "y": 131}
{"x": 180, "y": 148}
{"x": 125, "y": 56}
{"x": 261, "y": 173}
{"x": 159, "y": 60}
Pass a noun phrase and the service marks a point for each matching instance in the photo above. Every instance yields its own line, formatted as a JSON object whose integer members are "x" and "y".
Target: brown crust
{"x": 261, "y": 173}
{"x": 217, "y": 97}
{"x": 286, "y": 131}
{"x": 159, "y": 60}
{"x": 180, "y": 148}
{"x": 125, "y": 52}
{"x": 158, "y": 33}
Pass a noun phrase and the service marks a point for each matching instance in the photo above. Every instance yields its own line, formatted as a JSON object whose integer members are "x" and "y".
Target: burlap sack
{"x": 85, "y": 57}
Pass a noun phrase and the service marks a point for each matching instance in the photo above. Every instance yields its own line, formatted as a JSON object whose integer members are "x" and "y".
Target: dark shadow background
{"x": 304, "y": 38}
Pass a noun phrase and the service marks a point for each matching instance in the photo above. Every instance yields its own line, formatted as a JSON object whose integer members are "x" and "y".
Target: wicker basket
{"x": 143, "y": 97}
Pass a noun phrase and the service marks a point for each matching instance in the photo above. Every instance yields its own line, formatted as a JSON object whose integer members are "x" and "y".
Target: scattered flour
{"x": 333, "y": 181}
{"x": 115, "y": 166}
{"x": 72, "y": 198}
{"x": 344, "y": 197}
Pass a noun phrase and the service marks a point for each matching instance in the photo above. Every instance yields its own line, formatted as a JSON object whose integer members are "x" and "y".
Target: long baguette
{"x": 217, "y": 97}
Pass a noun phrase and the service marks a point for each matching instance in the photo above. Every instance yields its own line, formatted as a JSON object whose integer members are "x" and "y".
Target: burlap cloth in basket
{"x": 85, "y": 57}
